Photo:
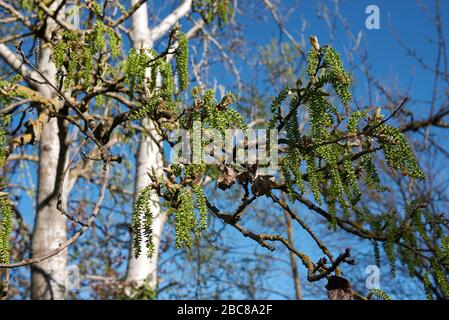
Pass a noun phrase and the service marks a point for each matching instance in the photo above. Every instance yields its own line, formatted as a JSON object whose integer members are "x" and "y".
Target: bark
{"x": 169, "y": 21}
{"x": 293, "y": 264}
{"x": 48, "y": 278}
{"x": 15, "y": 63}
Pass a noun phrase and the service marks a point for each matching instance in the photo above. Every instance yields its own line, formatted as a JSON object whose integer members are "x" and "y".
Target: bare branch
{"x": 168, "y": 22}
{"x": 78, "y": 234}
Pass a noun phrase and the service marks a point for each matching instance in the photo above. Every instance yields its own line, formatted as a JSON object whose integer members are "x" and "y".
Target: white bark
{"x": 169, "y": 21}
{"x": 15, "y": 63}
{"x": 48, "y": 278}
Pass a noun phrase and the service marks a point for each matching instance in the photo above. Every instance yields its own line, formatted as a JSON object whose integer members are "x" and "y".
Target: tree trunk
{"x": 149, "y": 158}
{"x": 48, "y": 278}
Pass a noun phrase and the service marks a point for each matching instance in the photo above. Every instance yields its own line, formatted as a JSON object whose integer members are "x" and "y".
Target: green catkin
{"x": 100, "y": 100}
{"x": 214, "y": 116}
{"x": 63, "y": 49}
{"x": 292, "y": 127}
{"x": 295, "y": 165}
{"x": 445, "y": 245}
{"x": 331, "y": 206}
{"x": 291, "y": 169}
{"x": 142, "y": 227}
{"x": 202, "y": 206}
{"x": 135, "y": 74}
{"x": 88, "y": 64}
{"x": 98, "y": 38}
{"x": 211, "y": 9}
{"x": 28, "y": 5}
{"x": 441, "y": 277}
{"x": 177, "y": 169}
{"x": 329, "y": 154}
{"x": 135, "y": 67}
{"x": 389, "y": 250}
{"x": 220, "y": 119}
{"x": 234, "y": 119}
{"x": 182, "y": 54}
{"x": 167, "y": 80}
{"x": 223, "y": 9}
{"x": 145, "y": 110}
{"x": 71, "y": 69}
{"x": 74, "y": 54}
{"x": 289, "y": 181}
{"x": 275, "y": 106}
{"x": 313, "y": 60}
{"x": 336, "y": 75}
{"x": 114, "y": 43}
{"x": 351, "y": 178}
{"x": 4, "y": 123}
{"x": 410, "y": 259}
{"x": 96, "y": 8}
{"x": 427, "y": 286}
{"x": 313, "y": 178}
{"x": 136, "y": 231}
{"x": 155, "y": 69}
{"x": 148, "y": 232}
{"x": 397, "y": 151}
{"x": 380, "y": 294}
{"x": 354, "y": 120}
{"x": 293, "y": 158}
{"x": 371, "y": 177}
{"x": 6, "y": 225}
{"x": 59, "y": 53}
{"x": 185, "y": 221}
{"x": 320, "y": 117}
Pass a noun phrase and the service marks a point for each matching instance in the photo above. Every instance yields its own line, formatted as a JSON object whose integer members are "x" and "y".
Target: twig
{"x": 78, "y": 234}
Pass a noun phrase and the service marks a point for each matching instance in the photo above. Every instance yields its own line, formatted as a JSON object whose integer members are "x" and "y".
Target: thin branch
{"x": 127, "y": 14}
{"x": 168, "y": 22}
{"x": 19, "y": 66}
{"x": 78, "y": 234}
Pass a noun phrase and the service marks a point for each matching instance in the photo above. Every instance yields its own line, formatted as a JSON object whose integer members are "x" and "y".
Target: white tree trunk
{"x": 149, "y": 158}
{"x": 48, "y": 278}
